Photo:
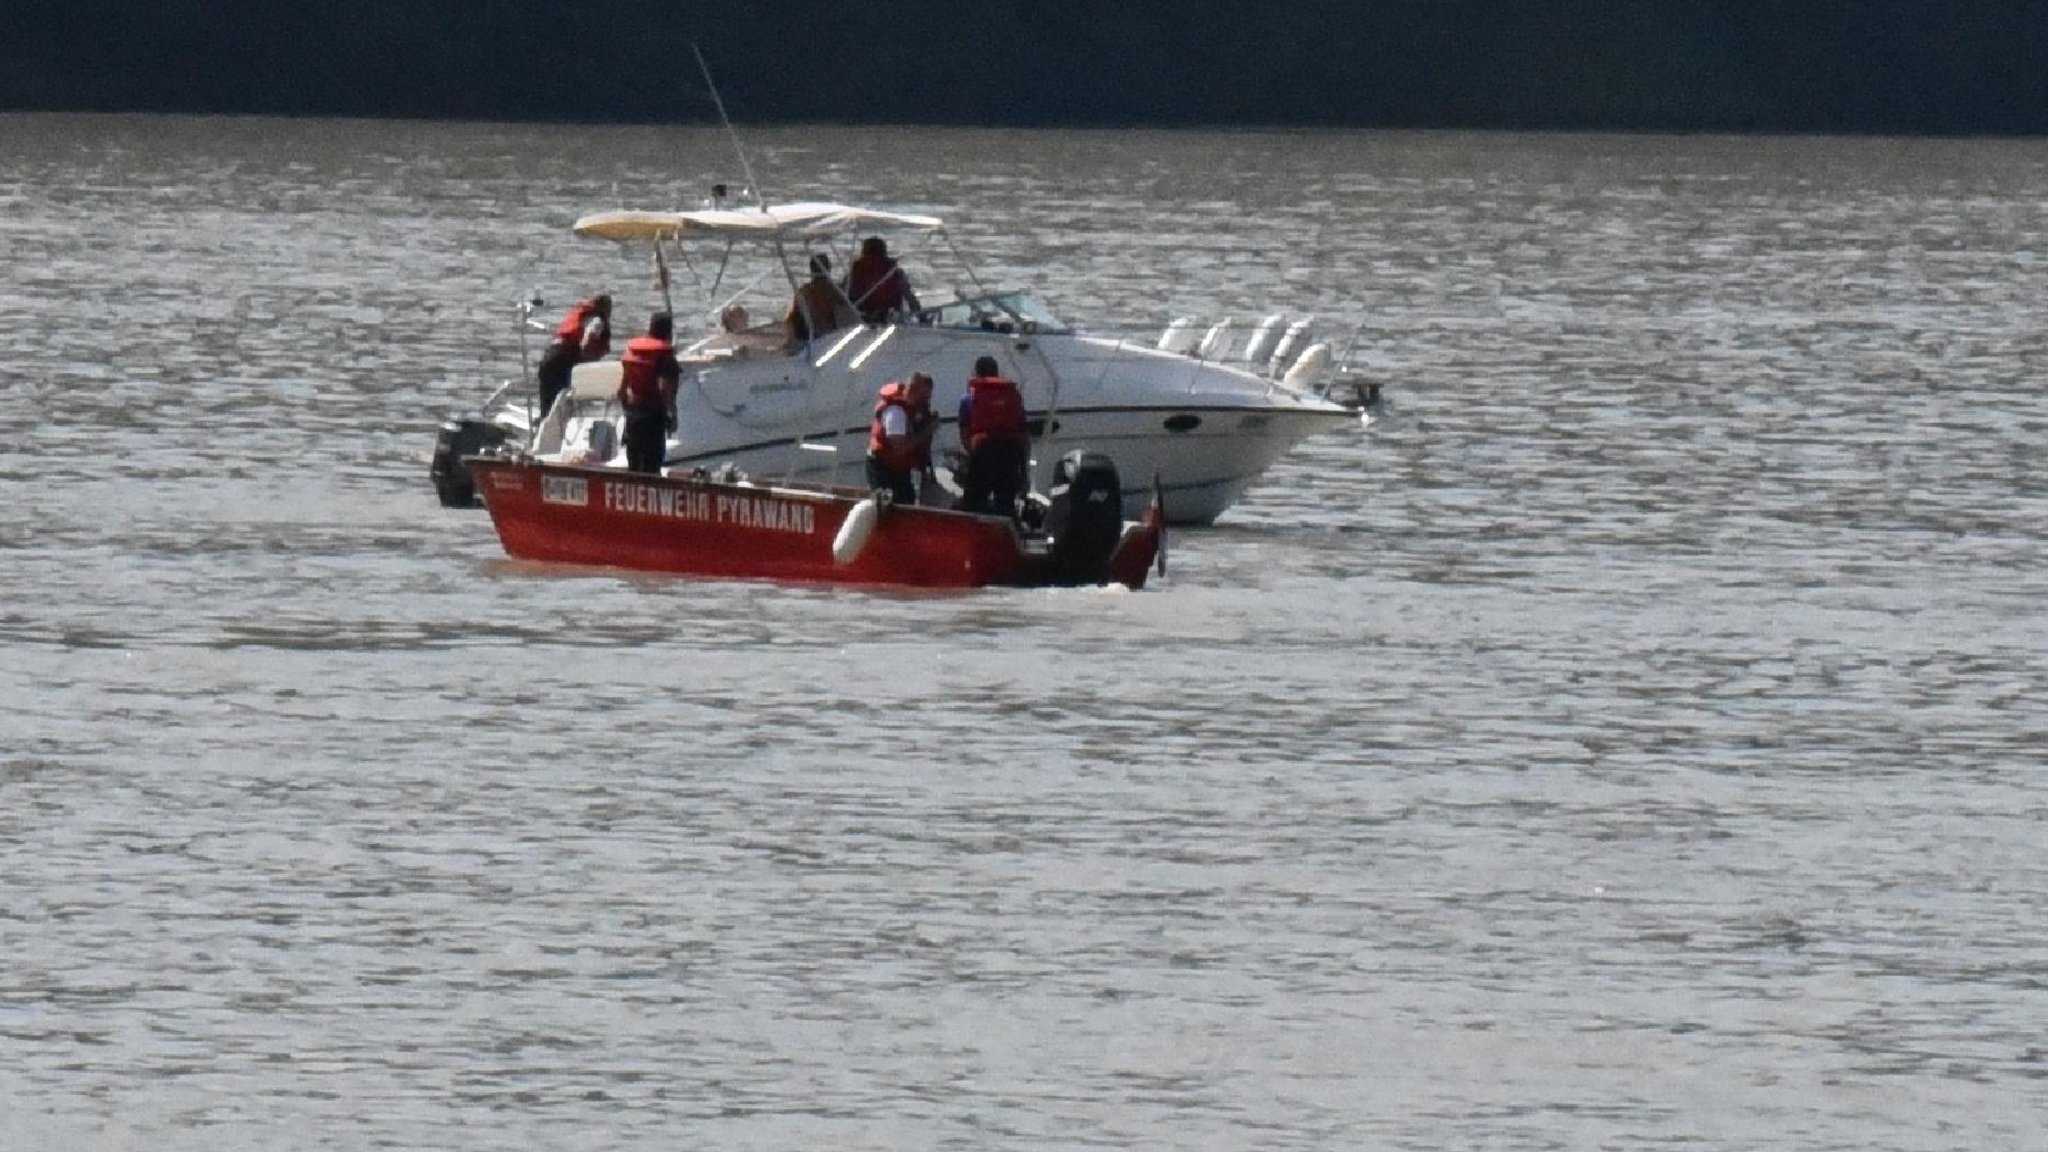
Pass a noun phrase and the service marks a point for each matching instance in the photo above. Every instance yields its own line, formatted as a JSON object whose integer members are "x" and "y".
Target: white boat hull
{"x": 1208, "y": 432}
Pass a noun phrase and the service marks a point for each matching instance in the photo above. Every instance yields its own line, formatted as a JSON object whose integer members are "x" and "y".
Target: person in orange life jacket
{"x": 818, "y": 306}
{"x": 584, "y": 334}
{"x": 877, "y": 285}
{"x": 647, "y": 392}
{"x": 900, "y": 438}
{"x": 998, "y": 444}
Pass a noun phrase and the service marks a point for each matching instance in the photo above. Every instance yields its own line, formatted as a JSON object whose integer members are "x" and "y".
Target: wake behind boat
{"x": 1207, "y": 418}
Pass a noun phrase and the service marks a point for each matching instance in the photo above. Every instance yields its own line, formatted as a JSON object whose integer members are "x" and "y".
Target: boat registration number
{"x": 564, "y": 490}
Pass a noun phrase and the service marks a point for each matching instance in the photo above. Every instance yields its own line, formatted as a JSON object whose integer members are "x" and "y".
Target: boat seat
{"x": 596, "y": 380}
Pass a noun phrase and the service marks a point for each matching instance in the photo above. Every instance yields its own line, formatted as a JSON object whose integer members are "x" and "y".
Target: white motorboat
{"x": 1199, "y": 411}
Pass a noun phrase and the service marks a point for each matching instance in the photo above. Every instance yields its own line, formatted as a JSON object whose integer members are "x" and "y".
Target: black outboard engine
{"x": 459, "y": 438}
{"x": 1086, "y": 517}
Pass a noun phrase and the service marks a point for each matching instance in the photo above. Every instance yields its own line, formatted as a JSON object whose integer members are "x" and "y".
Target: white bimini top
{"x": 778, "y": 221}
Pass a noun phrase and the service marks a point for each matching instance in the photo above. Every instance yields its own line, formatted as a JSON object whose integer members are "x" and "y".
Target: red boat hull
{"x": 696, "y": 527}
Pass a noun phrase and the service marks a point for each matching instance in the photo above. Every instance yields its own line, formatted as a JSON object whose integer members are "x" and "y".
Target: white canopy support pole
{"x": 724, "y": 258}
{"x": 748, "y": 287}
{"x": 668, "y": 303}
{"x": 979, "y": 288}
{"x": 690, "y": 266}
{"x": 782, "y": 258}
{"x": 525, "y": 311}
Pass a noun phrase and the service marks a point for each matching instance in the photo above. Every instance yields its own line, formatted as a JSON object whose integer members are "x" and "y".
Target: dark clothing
{"x": 998, "y": 472}
{"x": 647, "y": 394}
{"x": 993, "y": 431}
{"x": 879, "y": 288}
{"x": 646, "y": 441}
{"x": 555, "y": 365}
{"x": 818, "y": 308}
{"x": 583, "y": 335}
{"x": 901, "y": 485}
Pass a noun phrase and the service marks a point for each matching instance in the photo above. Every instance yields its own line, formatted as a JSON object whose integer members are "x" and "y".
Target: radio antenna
{"x": 745, "y": 168}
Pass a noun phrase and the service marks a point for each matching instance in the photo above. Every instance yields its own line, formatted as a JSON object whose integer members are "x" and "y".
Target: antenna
{"x": 745, "y": 168}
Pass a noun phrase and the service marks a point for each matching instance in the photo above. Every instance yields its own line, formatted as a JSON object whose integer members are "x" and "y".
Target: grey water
{"x": 1633, "y": 739}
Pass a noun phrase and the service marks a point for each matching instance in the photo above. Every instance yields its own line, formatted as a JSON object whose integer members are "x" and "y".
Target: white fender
{"x": 1284, "y": 351}
{"x": 1310, "y": 367}
{"x": 1179, "y": 336}
{"x": 1261, "y": 342}
{"x": 854, "y": 533}
{"x": 1217, "y": 340}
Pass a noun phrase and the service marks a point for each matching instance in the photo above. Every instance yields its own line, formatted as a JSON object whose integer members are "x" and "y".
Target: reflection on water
{"x": 1629, "y": 741}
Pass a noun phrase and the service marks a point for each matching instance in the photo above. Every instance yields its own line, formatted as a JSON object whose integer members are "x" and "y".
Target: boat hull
{"x": 1204, "y": 470}
{"x": 1207, "y": 432}
{"x": 701, "y": 527}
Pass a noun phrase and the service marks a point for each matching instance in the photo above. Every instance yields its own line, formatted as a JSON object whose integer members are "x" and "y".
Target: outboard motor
{"x": 459, "y": 438}
{"x": 1086, "y": 517}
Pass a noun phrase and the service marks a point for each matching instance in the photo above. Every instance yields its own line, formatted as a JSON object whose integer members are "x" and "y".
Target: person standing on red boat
{"x": 997, "y": 442}
{"x": 900, "y": 438}
{"x": 585, "y": 334}
{"x": 648, "y": 376}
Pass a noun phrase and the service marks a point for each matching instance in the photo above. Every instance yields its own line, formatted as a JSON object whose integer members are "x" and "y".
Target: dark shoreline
{"x": 1879, "y": 67}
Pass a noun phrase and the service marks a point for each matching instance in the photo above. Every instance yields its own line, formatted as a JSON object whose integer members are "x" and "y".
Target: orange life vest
{"x": 995, "y": 411}
{"x": 570, "y": 332}
{"x": 639, "y": 378}
{"x": 895, "y": 395}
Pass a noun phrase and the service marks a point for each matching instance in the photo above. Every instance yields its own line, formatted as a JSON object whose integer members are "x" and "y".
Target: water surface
{"x": 1632, "y": 741}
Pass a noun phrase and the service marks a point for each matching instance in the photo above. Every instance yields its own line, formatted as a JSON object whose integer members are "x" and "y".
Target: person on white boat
{"x": 585, "y": 334}
{"x": 818, "y": 306}
{"x": 900, "y": 438}
{"x": 648, "y": 376}
{"x": 996, "y": 439}
{"x": 877, "y": 284}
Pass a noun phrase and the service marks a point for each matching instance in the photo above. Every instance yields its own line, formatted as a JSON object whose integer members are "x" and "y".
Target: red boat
{"x": 700, "y": 526}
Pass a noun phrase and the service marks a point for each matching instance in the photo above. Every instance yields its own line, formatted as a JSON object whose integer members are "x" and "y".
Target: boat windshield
{"x": 1000, "y": 312}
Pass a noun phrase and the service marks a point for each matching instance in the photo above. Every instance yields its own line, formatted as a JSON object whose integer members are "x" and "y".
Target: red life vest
{"x": 570, "y": 332}
{"x": 995, "y": 411}
{"x": 639, "y": 378}
{"x": 895, "y": 395}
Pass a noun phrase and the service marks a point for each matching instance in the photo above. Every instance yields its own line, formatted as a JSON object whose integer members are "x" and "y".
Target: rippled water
{"x": 1634, "y": 740}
